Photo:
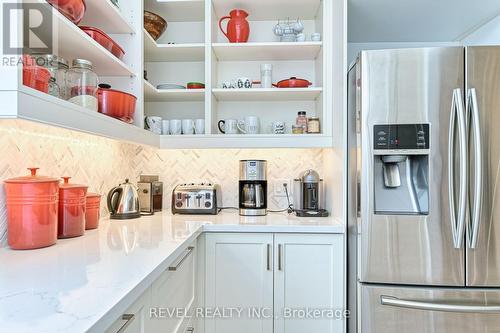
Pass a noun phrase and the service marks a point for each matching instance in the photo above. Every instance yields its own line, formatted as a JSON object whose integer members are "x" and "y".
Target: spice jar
{"x": 31, "y": 211}
{"x": 296, "y": 129}
{"x": 92, "y": 211}
{"x": 72, "y": 200}
{"x": 83, "y": 83}
{"x": 313, "y": 125}
{"x": 302, "y": 121}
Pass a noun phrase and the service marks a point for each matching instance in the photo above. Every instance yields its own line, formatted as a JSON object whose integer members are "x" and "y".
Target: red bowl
{"x": 74, "y": 10}
{"x": 36, "y": 77}
{"x": 104, "y": 40}
{"x": 117, "y": 104}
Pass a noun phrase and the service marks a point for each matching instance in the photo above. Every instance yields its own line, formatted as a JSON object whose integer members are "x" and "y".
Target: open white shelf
{"x": 151, "y": 94}
{"x": 177, "y": 10}
{"x": 154, "y": 52}
{"x": 264, "y": 10}
{"x": 245, "y": 141}
{"x": 36, "y": 106}
{"x": 74, "y": 43}
{"x": 267, "y": 51}
{"x": 107, "y": 17}
{"x": 270, "y": 94}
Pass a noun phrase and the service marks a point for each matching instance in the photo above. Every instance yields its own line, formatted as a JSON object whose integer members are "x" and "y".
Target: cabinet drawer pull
{"x": 177, "y": 264}
{"x": 280, "y": 254}
{"x": 128, "y": 318}
{"x": 190, "y": 330}
{"x": 268, "y": 257}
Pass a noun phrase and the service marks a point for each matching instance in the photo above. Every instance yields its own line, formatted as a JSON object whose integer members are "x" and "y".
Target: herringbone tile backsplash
{"x": 103, "y": 163}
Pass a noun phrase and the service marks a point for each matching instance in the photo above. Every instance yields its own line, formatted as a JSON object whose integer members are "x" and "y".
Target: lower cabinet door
{"x": 308, "y": 283}
{"x": 134, "y": 320}
{"x": 173, "y": 295}
{"x": 239, "y": 283}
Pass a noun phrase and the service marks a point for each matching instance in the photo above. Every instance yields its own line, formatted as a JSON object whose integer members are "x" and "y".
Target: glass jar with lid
{"x": 58, "y": 68}
{"x": 82, "y": 84}
{"x": 302, "y": 120}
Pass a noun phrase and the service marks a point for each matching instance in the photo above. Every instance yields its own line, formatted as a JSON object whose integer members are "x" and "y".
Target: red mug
{"x": 238, "y": 28}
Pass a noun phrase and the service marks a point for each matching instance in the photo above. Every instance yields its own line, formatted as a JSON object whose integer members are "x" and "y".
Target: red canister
{"x": 31, "y": 211}
{"x": 72, "y": 200}
{"x": 92, "y": 212}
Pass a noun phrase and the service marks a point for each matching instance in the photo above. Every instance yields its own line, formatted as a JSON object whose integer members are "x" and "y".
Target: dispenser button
{"x": 381, "y": 133}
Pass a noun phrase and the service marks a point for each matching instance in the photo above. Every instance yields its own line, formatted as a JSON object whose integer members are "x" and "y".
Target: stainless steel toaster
{"x": 203, "y": 199}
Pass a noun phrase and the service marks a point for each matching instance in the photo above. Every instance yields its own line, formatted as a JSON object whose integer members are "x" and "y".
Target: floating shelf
{"x": 267, "y": 51}
{"x": 177, "y": 10}
{"x": 266, "y": 10}
{"x": 154, "y": 52}
{"x": 245, "y": 141}
{"x": 74, "y": 43}
{"x": 271, "y": 94}
{"x": 151, "y": 94}
{"x": 107, "y": 17}
{"x": 33, "y": 105}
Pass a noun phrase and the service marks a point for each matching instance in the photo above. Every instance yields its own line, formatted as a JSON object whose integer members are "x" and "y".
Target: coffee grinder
{"x": 253, "y": 188}
{"x": 309, "y": 196}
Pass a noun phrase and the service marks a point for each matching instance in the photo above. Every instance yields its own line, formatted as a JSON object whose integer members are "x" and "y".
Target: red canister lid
{"x": 93, "y": 195}
{"x": 33, "y": 178}
{"x": 67, "y": 185}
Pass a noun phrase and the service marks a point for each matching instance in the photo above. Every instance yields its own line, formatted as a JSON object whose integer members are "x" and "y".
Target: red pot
{"x": 72, "y": 201}
{"x": 31, "y": 211}
{"x": 92, "y": 212}
{"x": 36, "y": 77}
{"x": 293, "y": 82}
{"x": 238, "y": 29}
{"x": 104, "y": 40}
{"x": 74, "y": 10}
{"x": 116, "y": 104}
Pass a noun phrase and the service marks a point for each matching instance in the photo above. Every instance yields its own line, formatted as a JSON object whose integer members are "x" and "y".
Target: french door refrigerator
{"x": 424, "y": 159}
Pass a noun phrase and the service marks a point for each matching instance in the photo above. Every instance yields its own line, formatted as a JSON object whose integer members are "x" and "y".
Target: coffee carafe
{"x": 253, "y": 188}
{"x": 309, "y": 196}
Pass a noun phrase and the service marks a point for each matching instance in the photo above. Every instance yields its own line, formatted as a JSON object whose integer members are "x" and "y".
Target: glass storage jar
{"x": 54, "y": 88}
{"x": 58, "y": 68}
{"x": 313, "y": 125}
{"x": 302, "y": 121}
{"x": 83, "y": 84}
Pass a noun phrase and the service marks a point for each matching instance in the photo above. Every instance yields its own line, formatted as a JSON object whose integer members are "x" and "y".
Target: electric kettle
{"x": 123, "y": 202}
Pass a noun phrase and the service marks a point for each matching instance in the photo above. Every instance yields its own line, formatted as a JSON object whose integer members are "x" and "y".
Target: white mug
{"x": 175, "y": 126}
{"x": 187, "y": 126}
{"x": 153, "y": 124}
{"x": 165, "y": 127}
{"x": 251, "y": 125}
{"x": 300, "y": 37}
{"x": 244, "y": 83}
{"x": 278, "y": 127}
{"x": 199, "y": 126}
{"x": 228, "y": 126}
{"x": 316, "y": 37}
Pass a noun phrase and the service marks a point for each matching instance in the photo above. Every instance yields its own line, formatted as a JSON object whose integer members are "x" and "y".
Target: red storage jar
{"x": 31, "y": 211}
{"x": 72, "y": 200}
{"x": 92, "y": 213}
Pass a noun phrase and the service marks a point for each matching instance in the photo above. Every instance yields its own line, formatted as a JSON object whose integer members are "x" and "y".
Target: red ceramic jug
{"x": 238, "y": 28}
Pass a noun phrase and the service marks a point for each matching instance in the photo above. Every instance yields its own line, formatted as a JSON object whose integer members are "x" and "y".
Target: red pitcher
{"x": 238, "y": 28}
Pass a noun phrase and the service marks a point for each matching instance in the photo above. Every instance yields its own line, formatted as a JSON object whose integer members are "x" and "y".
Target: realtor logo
{"x": 27, "y": 28}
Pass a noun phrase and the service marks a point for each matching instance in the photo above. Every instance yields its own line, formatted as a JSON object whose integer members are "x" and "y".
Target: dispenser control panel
{"x": 401, "y": 136}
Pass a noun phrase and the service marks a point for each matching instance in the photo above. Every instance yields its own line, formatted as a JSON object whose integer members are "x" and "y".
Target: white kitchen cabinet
{"x": 173, "y": 291}
{"x": 239, "y": 274}
{"x": 303, "y": 273}
{"x": 135, "y": 319}
{"x": 308, "y": 276}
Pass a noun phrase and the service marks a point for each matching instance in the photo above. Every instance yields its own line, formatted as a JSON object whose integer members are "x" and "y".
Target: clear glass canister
{"x": 82, "y": 84}
{"x": 58, "y": 68}
{"x": 54, "y": 88}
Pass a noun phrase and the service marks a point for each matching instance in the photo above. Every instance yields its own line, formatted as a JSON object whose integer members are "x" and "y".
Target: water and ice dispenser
{"x": 401, "y": 169}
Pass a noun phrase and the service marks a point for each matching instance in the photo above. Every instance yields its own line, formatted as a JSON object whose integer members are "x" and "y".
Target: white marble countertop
{"x": 83, "y": 284}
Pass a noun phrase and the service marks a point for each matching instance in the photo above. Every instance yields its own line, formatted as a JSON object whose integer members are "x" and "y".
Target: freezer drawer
{"x": 387, "y": 309}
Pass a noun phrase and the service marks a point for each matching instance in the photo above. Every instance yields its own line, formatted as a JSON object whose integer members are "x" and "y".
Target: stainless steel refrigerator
{"x": 424, "y": 202}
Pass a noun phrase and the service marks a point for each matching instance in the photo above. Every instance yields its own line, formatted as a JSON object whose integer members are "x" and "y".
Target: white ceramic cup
{"x": 251, "y": 125}
{"x": 153, "y": 124}
{"x": 278, "y": 127}
{"x": 300, "y": 37}
{"x": 199, "y": 126}
{"x": 187, "y": 126}
{"x": 175, "y": 126}
{"x": 165, "y": 127}
{"x": 316, "y": 37}
{"x": 244, "y": 83}
{"x": 228, "y": 126}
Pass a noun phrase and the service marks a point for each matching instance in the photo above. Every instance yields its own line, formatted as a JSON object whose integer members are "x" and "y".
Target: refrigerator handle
{"x": 478, "y": 166}
{"x": 457, "y": 115}
{"x": 419, "y": 305}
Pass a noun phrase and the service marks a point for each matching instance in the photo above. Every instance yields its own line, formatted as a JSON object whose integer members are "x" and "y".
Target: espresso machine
{"x": 253, "y": 188}
{"x": 309, "y": 197}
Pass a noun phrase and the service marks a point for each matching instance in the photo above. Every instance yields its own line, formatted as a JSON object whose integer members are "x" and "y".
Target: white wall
{"x": 488, "y": 34}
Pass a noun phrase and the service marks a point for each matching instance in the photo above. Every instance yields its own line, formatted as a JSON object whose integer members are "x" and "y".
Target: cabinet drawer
{"x": 173, "y": 293}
